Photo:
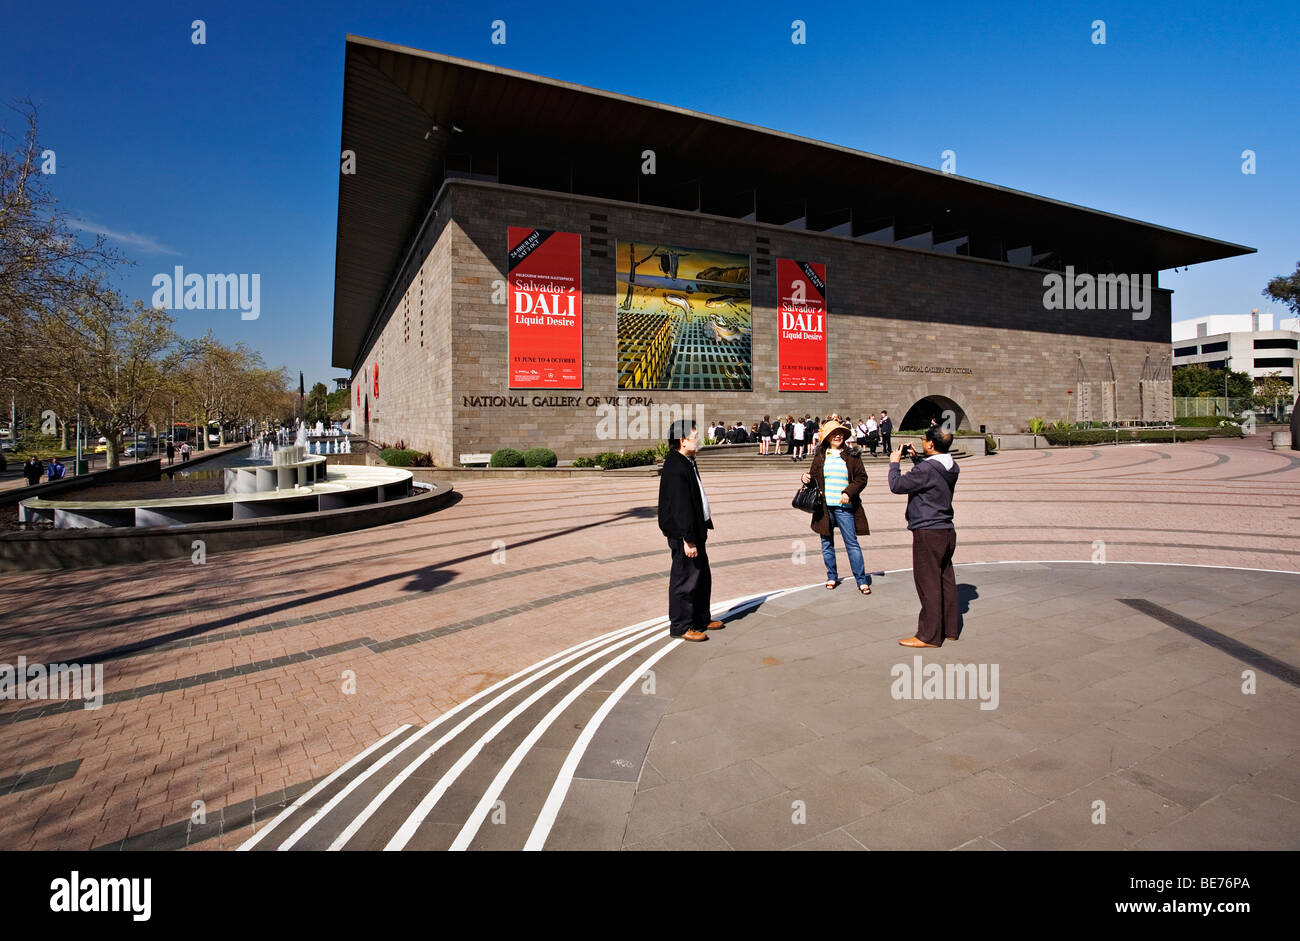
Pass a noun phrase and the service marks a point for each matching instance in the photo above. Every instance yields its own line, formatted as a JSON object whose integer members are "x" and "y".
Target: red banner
{"x": 801, "y": 310}
{"x": 545, "y": 303}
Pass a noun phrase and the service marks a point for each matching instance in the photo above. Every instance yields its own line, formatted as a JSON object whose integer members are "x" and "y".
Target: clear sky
{"x": 224, "y": 157}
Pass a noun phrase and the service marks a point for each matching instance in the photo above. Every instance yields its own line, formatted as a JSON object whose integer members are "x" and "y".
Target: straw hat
{"x": 830, "y": 427}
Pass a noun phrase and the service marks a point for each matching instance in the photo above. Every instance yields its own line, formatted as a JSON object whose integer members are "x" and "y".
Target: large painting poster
{"x": 684, "y": 318}
{"x": 801, "y": 307}
{"x": 545, "y": 303}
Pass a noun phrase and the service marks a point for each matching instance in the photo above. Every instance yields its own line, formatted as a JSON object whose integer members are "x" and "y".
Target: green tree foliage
{"x": 1286, "y": 288}
{"x": 317, "y": 407}
{"x": 1197, "y": 379}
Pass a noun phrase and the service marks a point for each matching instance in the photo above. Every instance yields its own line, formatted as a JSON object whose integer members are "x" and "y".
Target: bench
{"x": 473, "y": 460}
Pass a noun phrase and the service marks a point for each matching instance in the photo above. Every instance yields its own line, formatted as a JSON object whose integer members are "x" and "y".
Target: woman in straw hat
{"x": 841, "y": 476}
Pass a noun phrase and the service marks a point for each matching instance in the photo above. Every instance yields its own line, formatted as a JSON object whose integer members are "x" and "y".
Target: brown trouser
{"x": 936, "y": 585}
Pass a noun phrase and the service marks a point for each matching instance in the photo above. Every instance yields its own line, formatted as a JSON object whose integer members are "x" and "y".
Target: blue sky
{"x": 224, "y": 157}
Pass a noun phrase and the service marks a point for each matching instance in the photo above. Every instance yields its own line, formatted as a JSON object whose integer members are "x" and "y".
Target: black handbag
{"x": 808, "y": 499}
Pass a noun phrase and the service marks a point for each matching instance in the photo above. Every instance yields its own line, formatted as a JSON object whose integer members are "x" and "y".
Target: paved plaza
{"x": 498, "y": 675}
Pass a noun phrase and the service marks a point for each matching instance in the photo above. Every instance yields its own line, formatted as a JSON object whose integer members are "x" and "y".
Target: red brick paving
{"x": 145, "y": 761}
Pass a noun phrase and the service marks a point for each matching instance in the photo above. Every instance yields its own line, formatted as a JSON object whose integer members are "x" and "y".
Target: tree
{"x": 317, "y": 408}
{"x": 1286, "y": 288}
{"x": 1197, "y": 379}
{"x": 1271, "y": 387}
{"x": 46, "y": 276}
{"x": 121, "y": 356}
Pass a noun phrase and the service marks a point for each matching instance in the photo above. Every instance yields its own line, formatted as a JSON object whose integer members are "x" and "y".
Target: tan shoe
{"x": 915, "y": 642}
{"x": 714, "y": 626}
{"x": 693, "y": 636}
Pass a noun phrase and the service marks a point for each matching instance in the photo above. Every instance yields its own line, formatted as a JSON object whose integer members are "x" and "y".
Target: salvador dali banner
{"x": 801, "y": 346}
{"x": 544, "y": 338}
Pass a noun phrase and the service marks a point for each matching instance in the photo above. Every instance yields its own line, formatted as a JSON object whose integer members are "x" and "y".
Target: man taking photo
{"x": 929, "y": 485}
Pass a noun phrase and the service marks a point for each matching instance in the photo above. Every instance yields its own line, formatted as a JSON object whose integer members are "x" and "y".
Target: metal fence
{"x": 1187, "y": 407}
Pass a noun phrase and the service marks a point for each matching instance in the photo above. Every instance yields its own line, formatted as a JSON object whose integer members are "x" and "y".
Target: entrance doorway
{"x": 932, "y": 407}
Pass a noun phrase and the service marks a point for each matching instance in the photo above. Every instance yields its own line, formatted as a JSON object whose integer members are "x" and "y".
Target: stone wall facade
{"x": 904, "y": 324}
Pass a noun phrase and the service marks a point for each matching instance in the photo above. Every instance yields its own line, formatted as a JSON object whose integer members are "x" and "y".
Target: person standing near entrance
{"x": 873, "y": 433}
{"x": 33, "y": 470}
{"x": 841, "y": 476}
{"x": 685, "y": 520}
{"x": 929, "y": 487}
{"x": 886, "y": 431}
{"x": 171, "y": 452}
{"x": 797, "y": 442}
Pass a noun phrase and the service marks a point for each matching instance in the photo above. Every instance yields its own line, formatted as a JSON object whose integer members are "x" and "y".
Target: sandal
{"x": 831, "y": 586}
{"x": 865, "y": 589}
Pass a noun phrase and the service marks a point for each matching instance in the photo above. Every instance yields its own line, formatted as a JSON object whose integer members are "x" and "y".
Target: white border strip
{"x": 475, "y": 821}
{"x": 576, "y": 650}
{"x": 560, "y": 789}
{"x": 257, "y": 837}
{"x": 422, "y": 810}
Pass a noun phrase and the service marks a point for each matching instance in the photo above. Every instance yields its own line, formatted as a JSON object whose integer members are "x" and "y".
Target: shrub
{"x": 539, "y": 457}
{"x": 1037, "y": 426}
{"x": 1110, "y": 436}
{"x": 661, "y": 450}
{"x": 1201, "y": 421}
{"x": 990, "y": 445}
{"x": 401, "y": 457}
{"x": 612, "y": 460}
{"x": 506, "y": 457}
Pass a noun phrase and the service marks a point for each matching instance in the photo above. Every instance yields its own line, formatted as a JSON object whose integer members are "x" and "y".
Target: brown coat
{"x": 821, "y": 521}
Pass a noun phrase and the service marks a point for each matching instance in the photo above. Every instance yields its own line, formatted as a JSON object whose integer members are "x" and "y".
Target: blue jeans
{"x": 841, "y": 517}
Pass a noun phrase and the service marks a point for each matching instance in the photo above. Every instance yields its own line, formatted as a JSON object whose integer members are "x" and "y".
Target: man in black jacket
{"x": 684, "y": 518}
{"x": 929, "y": 486}
{"x": 886, "y": 430}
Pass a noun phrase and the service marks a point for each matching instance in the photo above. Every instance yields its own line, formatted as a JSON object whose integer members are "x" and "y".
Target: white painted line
{"x": 471, "y": 827}
{"x": 257, "y": 837}
{"x": 427, "y": 803}
{"x": 560, "y": 789}
{"x": 575, "y": 651}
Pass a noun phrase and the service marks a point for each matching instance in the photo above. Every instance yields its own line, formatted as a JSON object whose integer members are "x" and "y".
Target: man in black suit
{"x": 886, "y": 430}
{"x": 685, "y": 520}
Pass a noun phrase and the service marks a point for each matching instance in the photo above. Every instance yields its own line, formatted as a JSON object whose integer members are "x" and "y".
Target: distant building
{"x": 1246, "y": 343}
{"x": 342, "y": 382}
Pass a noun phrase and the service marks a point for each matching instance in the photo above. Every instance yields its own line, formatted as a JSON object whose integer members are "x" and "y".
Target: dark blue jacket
{"x": 929, "y": 486}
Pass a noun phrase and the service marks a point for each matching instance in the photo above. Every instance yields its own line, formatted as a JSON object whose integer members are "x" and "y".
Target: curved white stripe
{"x": 560, "y": 789}
{"x": 427, "y": 803}
{"x": 521, "y": 679}
{"x": 471, "y": 827}
{"x": 280, "y": 817}
{"x": 378, "y": 766}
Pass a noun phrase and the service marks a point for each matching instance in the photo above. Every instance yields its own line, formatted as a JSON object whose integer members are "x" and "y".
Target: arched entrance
{"x": 932, "y": 407}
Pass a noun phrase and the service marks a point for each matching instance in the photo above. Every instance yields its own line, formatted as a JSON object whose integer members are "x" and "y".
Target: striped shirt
{"x": 836, "y": 475}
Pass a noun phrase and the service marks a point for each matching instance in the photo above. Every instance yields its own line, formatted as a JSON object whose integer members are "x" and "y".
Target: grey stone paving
{"x": 782, "y": 732}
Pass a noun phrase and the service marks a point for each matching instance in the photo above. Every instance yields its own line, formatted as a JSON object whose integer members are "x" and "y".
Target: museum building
{"x": 515, "y": 254}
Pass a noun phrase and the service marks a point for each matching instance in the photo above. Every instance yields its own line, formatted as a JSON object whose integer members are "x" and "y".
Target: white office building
{"x": 1248, "y": 343}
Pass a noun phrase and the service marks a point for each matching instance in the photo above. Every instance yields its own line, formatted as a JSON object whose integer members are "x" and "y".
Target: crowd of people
{"x": 798, "y": 437}
{"x": 837, "y": 478}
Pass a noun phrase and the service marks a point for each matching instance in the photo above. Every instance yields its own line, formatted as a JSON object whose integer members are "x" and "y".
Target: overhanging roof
{"x": 393, "y": 96}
